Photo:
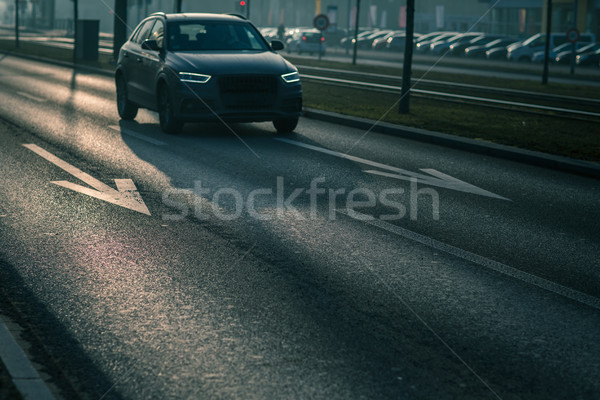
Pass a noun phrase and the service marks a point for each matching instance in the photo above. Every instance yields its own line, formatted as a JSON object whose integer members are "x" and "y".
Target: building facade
{"x": 520, "y": 18}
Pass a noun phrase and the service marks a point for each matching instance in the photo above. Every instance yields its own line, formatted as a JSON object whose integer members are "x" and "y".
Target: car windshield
{"x": 209, "y": 36}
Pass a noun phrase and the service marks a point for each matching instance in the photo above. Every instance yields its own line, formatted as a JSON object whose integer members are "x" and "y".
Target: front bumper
{"x": 240, "y": 98}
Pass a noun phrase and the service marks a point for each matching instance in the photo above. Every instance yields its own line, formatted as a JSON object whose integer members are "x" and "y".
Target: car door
{"x": 134, "y": 64}
{"x": 150, "y": 65}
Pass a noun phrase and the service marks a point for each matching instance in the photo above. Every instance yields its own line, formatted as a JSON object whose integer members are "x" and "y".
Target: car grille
{"x": 248, "y": 91}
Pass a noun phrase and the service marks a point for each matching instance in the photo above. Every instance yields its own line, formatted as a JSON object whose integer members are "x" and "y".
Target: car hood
{"x": 225, "y": 63}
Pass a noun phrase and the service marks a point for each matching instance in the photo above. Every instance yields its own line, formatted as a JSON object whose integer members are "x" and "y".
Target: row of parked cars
{"x": 470, "y": 44}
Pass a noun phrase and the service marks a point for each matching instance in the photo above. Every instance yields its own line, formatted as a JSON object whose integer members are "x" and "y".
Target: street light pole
{"x": 404, "y": 107}
{"x": 574, "y": 44}
{"x": 75, "y": 16}
{"x": 120, "y": 27}
{"x": 356, "y": 32}
{"x": 17, "y": 23}
{"x": 547, "y": 46}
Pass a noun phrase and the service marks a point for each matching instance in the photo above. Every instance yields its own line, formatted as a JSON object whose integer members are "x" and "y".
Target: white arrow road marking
{"x": 435, "y": 178}
{"x": 126, "y": 194}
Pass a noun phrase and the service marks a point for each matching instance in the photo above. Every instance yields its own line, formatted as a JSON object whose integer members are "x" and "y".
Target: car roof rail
{"x": 237, "y": 15}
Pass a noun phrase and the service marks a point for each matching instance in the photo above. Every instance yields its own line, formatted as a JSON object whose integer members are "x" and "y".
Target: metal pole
{"x": 404, "y": 107}
{"x": 356, "y": 32}
{"x": 17, "y": 23}
{"x": 120, "y": 26}
{"x": 348, "y": 31}
{"x": 75, "y": 16}
{"x": 547, "y": 46}
{"x": 178, "y": 6}
{"x": 573, "y": 47}
{"x": 320, "y": 45}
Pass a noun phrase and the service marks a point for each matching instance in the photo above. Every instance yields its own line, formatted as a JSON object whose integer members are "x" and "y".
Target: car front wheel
{"x": 127, "y": 110}
{"x": 285, "y": 125}
{"x": 168, "y": 123}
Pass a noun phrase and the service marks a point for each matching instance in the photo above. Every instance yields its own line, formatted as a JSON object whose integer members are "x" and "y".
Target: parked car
{"x": 423, "y": 45}
{"x": 362, "y": 33}
{"x": 365, "y": 42}
{"x": 398, "y": 43}
{"x": 206, "y": 67}
{"x": 480, "y": 51}
{"x": 381, "y": 42}
{"x": 310, "y": 42}
{"x": 524, "y": 51}
{"x": 430, "y": 35}
{"x": 442, "y": 45}
{"x": 538, "y": 56}
{"x": 564, "y": 57}
{"x": 458, "y": 48}
{"x": 591, "y": 58}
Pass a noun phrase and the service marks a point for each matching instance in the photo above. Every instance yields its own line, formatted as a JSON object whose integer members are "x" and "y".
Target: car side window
{"x": 158, "y": 33}
{"x": 144, "y": 32}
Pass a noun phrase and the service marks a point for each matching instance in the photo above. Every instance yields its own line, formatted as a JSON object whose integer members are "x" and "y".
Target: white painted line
{"x": 31, "y": 97}
{"x": 137, "y": 135}
{"x": 479, "y": 260}
{"x": 434, "y": 178}
{"x": 24, "y": 376}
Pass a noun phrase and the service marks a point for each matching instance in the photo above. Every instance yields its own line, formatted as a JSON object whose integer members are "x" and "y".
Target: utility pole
{"x": 120, "y": 27}
{"x": 348, "y": 31}
{"x": 404, "y": 107}
{"x": 75, "y": 16}
{"x": 574, "y": 44}
{"x": 17, "y": 23}
{"x": 547, "y": 46}
{"x": 356, "y": 32}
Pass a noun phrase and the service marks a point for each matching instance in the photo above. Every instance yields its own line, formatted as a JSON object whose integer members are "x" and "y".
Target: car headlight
{"x": 291, "y": 77}
{"x": 193, "y": 77}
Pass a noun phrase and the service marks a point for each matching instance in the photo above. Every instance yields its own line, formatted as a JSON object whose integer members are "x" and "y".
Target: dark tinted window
{"x": 199, "y": 36}
{"x": 144, "y": 31}
{"x": 158, "y": 33}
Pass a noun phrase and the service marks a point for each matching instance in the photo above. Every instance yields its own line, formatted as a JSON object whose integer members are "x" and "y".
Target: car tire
{"x": 127, "y": 109}
{"x": 285, "y": 125}
{"x": 168, "y": 123}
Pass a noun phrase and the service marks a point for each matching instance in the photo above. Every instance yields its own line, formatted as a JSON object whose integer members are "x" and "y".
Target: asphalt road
{"x": 408, "y": 271}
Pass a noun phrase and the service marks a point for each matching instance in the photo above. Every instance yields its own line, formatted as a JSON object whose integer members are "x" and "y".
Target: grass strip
{"x": 553, "y": 135}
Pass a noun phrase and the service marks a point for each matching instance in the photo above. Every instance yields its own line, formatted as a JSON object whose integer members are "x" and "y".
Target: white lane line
{"x": 137, "y": 135}
{"x": 479, "y": 260}
{"x": 32, "y": 97}
{"x": 24, "y": 376}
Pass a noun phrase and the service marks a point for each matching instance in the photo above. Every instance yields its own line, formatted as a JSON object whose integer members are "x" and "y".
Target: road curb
{"x": 24, "y": 376}
{"x": 530, "y": 157}
{"x": 66, "y": 64}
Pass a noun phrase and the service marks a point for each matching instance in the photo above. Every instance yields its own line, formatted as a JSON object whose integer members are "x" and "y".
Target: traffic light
{"x": 242, "y": 7}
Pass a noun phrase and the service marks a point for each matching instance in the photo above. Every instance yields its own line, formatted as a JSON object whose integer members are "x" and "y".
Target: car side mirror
{"x": 277, "y": 45}
{"x": 151, "y": 44}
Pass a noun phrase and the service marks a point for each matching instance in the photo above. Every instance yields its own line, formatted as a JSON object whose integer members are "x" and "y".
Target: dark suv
{"x": 206, "y": 67}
